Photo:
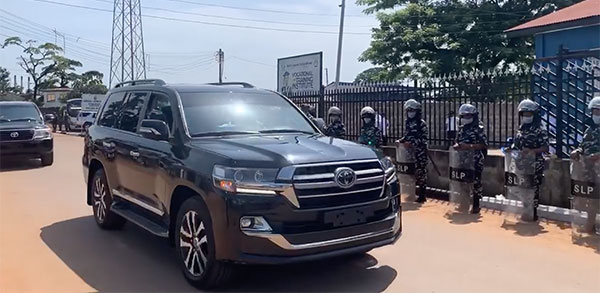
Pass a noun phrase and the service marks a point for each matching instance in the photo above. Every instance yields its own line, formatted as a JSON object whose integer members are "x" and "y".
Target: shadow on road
{"x": 134, "y": 260}
{"x": 14, "y": 165}
{"x": 527, "y": 229}
{"x": 462, "y": 218}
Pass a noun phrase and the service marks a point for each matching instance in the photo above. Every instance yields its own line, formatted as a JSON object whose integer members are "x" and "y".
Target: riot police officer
{"x": 369, "y": 133}
{"x": 471, "y": 136}
{"x": 532, "y": 139}
{"x": 416, "y": 138}
{"x": 335, "y": 128}
{"x": 590, "y": 145}
{"x": 311, "y": 113}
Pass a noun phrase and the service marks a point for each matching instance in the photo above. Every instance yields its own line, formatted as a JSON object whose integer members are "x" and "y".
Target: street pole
{"x": 221, "y": 59}
{"x": 339, "y": 53}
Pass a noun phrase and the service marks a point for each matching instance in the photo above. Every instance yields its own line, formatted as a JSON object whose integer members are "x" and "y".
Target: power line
{"x": 254, "y": 62}
{"x": 204, "y": 22}
{"x": 261, "y": 10}
{"x": 235, "y": 18}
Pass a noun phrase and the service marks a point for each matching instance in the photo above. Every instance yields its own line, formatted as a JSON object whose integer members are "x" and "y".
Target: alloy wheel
{"x": 99, "y": 199}
{"x": 193, "y": 243}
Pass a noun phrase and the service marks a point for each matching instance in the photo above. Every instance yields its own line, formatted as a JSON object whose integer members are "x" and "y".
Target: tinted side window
{"x": 111, "y": 110}
{"x": 130, "y": 114}
{"x": 160, "y": 109}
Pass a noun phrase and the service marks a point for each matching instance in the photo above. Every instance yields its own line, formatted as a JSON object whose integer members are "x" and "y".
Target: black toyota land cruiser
{"x": 231, "y": 175}
{"x": 23, "y": 134}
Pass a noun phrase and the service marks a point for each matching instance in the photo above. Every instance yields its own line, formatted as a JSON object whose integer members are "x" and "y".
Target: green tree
{"x": 5, "y": 86}
{"x": 371, "y": 75}
{"x": 89, "y": 82}
{"x": 63, "y": 72}
{"x": 424, "y": 37}
{"x": 37, "y": 61}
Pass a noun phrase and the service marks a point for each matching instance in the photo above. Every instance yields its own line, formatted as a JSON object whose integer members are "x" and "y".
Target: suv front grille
{"x": 9, "y": 135}
{"x": 315, "y": 187}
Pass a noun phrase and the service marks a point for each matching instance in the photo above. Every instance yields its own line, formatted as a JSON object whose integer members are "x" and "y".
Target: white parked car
{"x": 85, "y": 119}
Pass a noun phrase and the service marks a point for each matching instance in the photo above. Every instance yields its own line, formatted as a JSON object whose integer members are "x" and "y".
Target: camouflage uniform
{"x": 473, "y": 133}
{"x": 336, "y": 129}
{"x": 533, "y": 136}
{"x": 591, "y": 140}
{"x": 371, "y": 135}
{"x": 417, "y": 134}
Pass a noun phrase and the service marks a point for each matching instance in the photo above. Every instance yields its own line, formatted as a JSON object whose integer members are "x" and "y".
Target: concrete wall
{"x": 555, "y": 190}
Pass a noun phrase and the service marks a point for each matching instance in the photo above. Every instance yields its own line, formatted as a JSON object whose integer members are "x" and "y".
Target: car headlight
{"x": 42, "y": 133}
{"x": 387, "y": 165}
{"x": 245, "y": 180}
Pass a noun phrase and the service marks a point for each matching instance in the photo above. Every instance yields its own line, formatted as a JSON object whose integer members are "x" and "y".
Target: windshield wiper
{"x": 221, "y": 133}
{"x": 285, "y": 131}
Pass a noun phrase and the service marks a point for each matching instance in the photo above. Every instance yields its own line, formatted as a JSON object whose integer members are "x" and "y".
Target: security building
{"x": 576, "y": 27}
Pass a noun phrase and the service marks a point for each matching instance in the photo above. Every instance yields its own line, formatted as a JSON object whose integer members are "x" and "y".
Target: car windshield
{"x": 24, "y": 112}
{"x": 234, "y": 113}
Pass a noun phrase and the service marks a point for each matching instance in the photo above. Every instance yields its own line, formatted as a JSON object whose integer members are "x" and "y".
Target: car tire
{"x": 195, "y": 241}
{"x": 47, "y": 159}
{"x": 101, "y": 203}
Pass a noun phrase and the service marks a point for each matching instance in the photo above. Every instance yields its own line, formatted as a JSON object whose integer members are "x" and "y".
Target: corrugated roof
{"x": 578, "y": 11}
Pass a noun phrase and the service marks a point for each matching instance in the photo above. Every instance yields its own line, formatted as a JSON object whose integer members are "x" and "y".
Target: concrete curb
{"x": 544, "y": 211}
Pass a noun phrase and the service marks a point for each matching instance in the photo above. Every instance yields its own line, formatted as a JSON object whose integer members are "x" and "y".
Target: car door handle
{"x": 108, "y": 144}
{"x": 134, "y": 154}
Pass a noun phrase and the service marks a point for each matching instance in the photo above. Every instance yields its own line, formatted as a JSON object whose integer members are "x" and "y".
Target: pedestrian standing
{"x": 335, "y": 128}
{"x": 471, "y": 136}
{"x": 451, "y": 127}
{"x": 383, "y": 125}
{"x": 369, "y": 133}
{"x": 415, "y": 138}
{"x": 531, "y": 138}
{"x": 590, "y": 145}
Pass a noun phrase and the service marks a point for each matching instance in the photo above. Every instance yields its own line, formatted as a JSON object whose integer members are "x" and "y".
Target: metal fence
{"x": 496, "y": 94}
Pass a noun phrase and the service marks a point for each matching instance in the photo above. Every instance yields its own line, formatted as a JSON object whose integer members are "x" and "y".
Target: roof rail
{"x": 243, "y": 84}
{"x": 140, "y": 82}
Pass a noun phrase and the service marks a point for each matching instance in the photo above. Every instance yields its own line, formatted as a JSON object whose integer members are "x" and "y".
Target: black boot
{"x": 421, "y": 195}
{"x": 476, "y": 208}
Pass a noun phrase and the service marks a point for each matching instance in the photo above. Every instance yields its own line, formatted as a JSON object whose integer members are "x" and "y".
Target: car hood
{"x": 20, "y": 125}
{"x": 282, "y": 150}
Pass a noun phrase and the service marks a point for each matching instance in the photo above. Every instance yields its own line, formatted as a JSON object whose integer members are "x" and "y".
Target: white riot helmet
{"x": 467, "y": 109}
{"x": 367, "y": 111}
{"x": 334, "y": 111}
{"x": 528, "y": 105}
{"x": 594, "y": 103}
{"x": 412, "y": 104}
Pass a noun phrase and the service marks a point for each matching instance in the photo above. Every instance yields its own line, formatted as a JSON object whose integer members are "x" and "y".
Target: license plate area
{"x": 347, "y": 217}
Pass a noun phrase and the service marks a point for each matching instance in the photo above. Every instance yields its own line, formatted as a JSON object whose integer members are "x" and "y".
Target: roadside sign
{"x": 91, "y": 102}
{"x": 300, "y": 73}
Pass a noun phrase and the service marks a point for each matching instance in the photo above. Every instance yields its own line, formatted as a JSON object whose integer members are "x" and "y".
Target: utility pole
{"x": 221, "y": 61}
{"x": 127, "y": 56}
{"x": 326, "y": 76}
{"x": 339, "y": 53}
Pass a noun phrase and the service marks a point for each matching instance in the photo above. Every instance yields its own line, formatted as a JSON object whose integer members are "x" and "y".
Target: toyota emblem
{"x": 344, "y": 177}
{"x": 14, "y": 134}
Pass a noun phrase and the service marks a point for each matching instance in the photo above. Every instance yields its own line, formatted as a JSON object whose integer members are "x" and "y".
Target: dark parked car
{"x": 23, "y": 134}
{"x": 231, "y": 175}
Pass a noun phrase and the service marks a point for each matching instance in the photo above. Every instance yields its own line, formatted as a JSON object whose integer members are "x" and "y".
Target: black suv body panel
{"x": 147, "y": 173}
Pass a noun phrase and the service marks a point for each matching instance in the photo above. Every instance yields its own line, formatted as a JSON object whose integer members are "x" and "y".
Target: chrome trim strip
{"x": 339, "y": 193}
{"x": 137, "y": 202}
{"x": 326, "y": 184}
{"x": 280, "y": 240}
{"x": 314, "y": 176}
{"x": 368, "y": 171}
{"x": 337, "y": 163}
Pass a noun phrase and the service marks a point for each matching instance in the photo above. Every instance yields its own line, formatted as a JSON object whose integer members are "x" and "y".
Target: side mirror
{"x": 154, "y": 129}
{"x": 48, "y": 118}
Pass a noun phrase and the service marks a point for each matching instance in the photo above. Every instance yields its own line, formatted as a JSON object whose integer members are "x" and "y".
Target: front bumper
{"x": 303, "y": 234}
{"x": 26, "y": 149}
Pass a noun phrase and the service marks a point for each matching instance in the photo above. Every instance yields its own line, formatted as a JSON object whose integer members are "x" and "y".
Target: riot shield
{"x": 585, "y": 200}
{"x": 462, "y": 170}
{"x": 405, "y": 158}
{"x": 519, "y": 171}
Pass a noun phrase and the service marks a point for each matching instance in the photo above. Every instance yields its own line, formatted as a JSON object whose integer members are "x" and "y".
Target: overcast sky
{"x": 184, "y": 52}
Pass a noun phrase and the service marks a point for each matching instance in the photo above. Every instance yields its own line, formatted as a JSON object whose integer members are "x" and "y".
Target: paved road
{"x": 50, "y": 243}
